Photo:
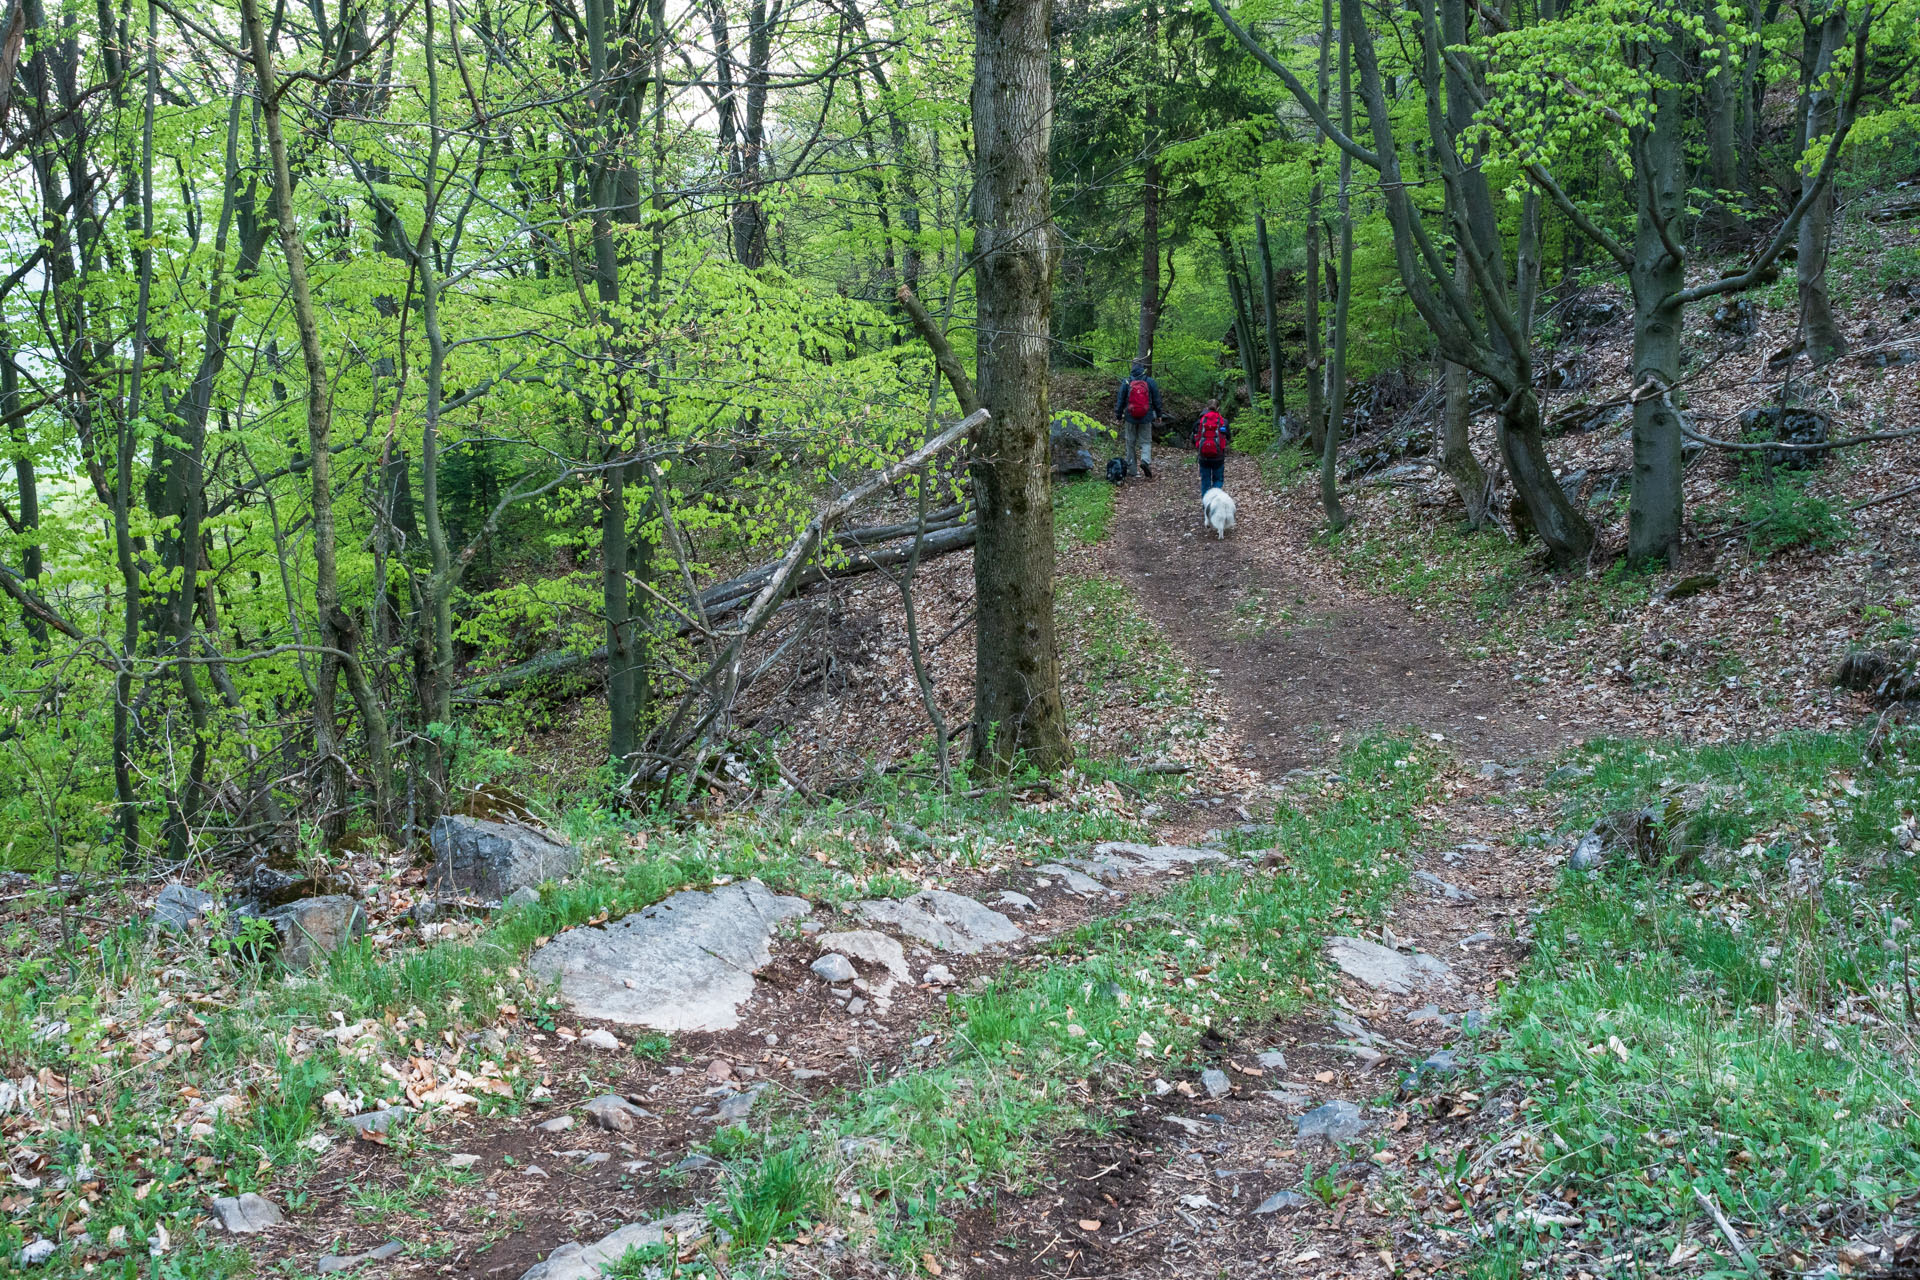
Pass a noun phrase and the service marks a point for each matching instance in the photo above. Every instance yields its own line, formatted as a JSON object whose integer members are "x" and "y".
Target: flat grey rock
{"x": 939, "y": 975}
{"x": 615, "y": 1114}
{"x": 310, "y": 928}
{"x": 1442, "y": 889}
{"x": 179, "y": 907}
{"x": 1291, "y": 1097}
{"x": 1076, "y": 881}
{"x": 35, "y": 1252}
{"x": 490, "y": 860}
{"x": 685, "y": 964}
{"x": 1015, "y": 901}
{"x": 334, "y": 1262}
{"x": 524, "y": 896}
{"x": 1444, "y": 1062}
{"x": 1589, "y": 853}
{"x": 247, "y": 1214}
{"x": 696, "y": 1162}
{"x": 870, "y": 948}
{"x": 1283, "y": 1201}
{"x": 587, "y": 1261}
{"x": 1216, "y": 1083}
{"x": 835, "y": 967}
{"x": 559, "y": 1124}
{"x": 1384, "y": 969}
{"x": 942, "y": 920}
{"x": 739, "y": 1106}
{"x": 1150, "y": 859}
{"x": 1474, "y": 939}
{"x": 1334, "y": 1121}
{"x": 1272, "y": 1060}
{"x": 377, "y": 1121}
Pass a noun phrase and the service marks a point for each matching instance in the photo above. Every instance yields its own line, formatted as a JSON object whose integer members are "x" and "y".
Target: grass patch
{"x": 1118, "y": 654}
{"x": 1744, "y": 1031}
{"x": 1777, "y": 513}
{"x": 1082, "y": 512}
{"x": 1050, "y": 1050}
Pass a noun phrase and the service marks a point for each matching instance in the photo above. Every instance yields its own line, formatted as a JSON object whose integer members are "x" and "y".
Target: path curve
{"x": 1299, "y": 657}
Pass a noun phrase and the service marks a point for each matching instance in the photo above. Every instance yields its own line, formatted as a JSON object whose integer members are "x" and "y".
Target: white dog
{"x": 1217, "y": 504}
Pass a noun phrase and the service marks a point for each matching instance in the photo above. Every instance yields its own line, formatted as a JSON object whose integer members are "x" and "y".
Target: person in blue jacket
{"x": 1136, "y": 408}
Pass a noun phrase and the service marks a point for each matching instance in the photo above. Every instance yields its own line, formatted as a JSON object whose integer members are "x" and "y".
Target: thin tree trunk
{"x": 1818, "y": 328}
{"x": 1337, "y": 371}
{"x": 128, "y": 810}
{"x": 1456, "y": 449}
{"x": 1270, "y": 297}
{"x": 336, "y": 630}
{"x": 1659, "y": 272}
{"x": 1242, "y": 318}
{"x": 1017, "y": 705}
{"x": 1316, "y": 357}
{"x": 1150, "y": 194}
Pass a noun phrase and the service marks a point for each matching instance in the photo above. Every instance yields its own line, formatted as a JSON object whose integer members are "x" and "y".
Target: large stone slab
{"x": 1153, "y": 858}
{"x": 1385, "y": 969}
{"x": 685, "y": 964}
{"x": 940, "y": 919}
{"x": 491, "y": 860}
{"x": 588, "y": 1261}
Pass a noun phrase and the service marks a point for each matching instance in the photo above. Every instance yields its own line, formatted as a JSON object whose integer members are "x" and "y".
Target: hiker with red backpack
{"x": 1211, "y": 435}
{"x": 1136, "y": 409}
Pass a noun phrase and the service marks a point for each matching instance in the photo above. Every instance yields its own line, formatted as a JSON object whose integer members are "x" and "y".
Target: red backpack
{"x": 1139, "y": 398}
{"x": 1206, "y": 436}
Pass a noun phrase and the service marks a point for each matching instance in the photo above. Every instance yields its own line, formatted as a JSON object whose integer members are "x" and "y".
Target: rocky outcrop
{"x": 685, "y": 964}
{"x": 492, "y": 860}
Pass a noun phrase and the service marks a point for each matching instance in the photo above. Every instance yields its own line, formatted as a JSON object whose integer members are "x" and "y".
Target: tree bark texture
{"x": 1017, "y": 705}
{"x": 1818, "y": 328}
{"x": 1659, "y": 273}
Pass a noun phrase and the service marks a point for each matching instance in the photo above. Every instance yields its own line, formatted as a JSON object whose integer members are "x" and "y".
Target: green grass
{"x": 1082, "y": 512}
{"x": 1704, "y": 1032}
{"x": 829, "y": 852}
{"x": 1055, "y": 1049}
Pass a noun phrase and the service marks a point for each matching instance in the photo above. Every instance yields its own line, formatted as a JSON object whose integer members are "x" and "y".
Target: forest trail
{"x": 1303, "y": 661}
{"x": 1233, "y": 1173}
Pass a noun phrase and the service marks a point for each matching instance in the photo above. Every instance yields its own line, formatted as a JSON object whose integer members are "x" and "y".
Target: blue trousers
{"x": 1213, "y": 475}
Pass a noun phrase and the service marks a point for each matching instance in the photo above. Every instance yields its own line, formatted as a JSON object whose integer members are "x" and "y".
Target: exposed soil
{"x": 1301, "y": 659}
{"x": 1171, "y": 1189}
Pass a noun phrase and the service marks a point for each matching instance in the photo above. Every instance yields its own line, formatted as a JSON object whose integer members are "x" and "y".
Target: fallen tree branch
{"x": 723, "y": 674}
{"x": 718, "y": 602}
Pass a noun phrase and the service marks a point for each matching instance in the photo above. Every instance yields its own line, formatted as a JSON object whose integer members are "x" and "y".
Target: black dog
{"x": 1117, "y": 470}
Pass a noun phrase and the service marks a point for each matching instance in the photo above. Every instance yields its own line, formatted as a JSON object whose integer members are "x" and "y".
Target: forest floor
{"x": 1698, "y": 1061}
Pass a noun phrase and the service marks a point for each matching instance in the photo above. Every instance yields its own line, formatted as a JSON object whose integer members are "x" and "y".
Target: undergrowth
{"x": 1049, "y": 1050}
{"x": 1741, "y": 1033}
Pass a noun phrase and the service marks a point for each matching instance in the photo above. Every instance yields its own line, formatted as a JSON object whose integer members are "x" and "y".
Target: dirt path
{"x": 1305, "y": 662}
{"x": 1301, "y": 660}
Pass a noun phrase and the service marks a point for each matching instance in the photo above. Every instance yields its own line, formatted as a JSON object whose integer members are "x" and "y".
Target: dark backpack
{"x": 1139, "y": 398}
{"x": 1207, "y": 438}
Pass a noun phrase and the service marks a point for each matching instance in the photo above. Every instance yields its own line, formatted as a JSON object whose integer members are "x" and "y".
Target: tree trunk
{"x": 1456, "y": 447}
{"x": 1337, "y": 370}
{"x": 1242, "y": 319}
{"x": 1659, "y": 272}
{"x": 1017, "y": 705}
{"x": 336, "y": 629}
{"x": 1717, "y": 104}
{"x": 1270, "y": 297}
{"x": 1150, "y": 195}
{"x": 1818, "y": 328}
{"x": 1316, "y": 357}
